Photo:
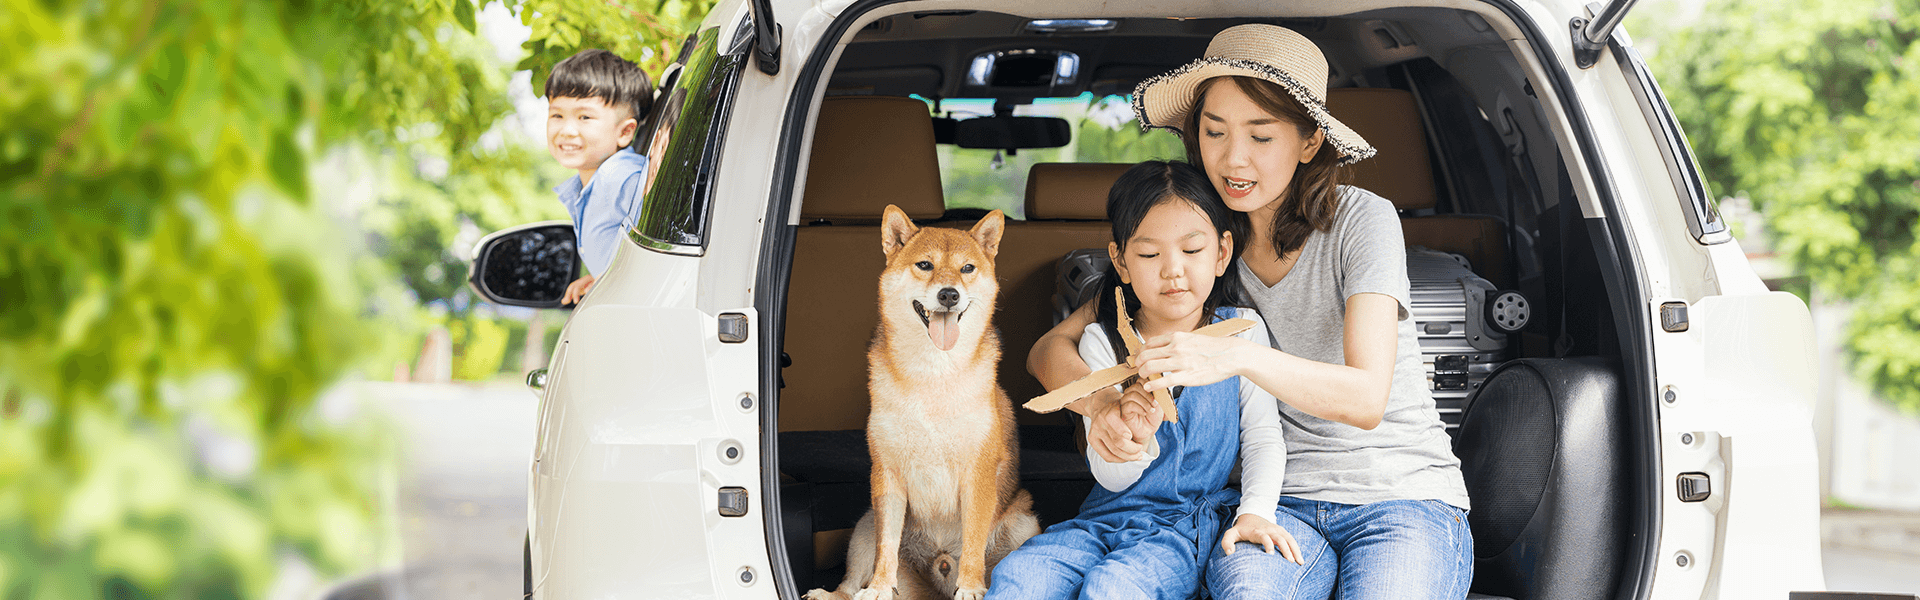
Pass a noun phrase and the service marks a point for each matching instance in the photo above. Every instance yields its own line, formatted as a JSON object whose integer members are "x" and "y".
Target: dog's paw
{"x": 970, "y": 594}
{"x": 820, "y": 594}
{"x": 874, "y": 594}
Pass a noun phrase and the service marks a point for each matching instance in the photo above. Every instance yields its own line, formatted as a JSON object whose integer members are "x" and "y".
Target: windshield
{"x": 1104, "y": 131}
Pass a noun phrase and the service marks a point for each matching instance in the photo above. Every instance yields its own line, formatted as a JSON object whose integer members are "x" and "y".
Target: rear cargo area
{"x": 1490, "y": 275}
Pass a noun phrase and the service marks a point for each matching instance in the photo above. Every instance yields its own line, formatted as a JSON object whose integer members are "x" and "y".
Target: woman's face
{"x": 1250, "y": 154}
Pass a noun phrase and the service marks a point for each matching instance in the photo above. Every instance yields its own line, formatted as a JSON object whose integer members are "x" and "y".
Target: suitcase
{"x": 1464, "y": 324}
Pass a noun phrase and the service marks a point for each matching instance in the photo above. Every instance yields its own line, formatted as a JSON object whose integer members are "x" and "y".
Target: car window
{"x": 689, "y": 122}
{"x": 1104, "y": 130}
{"x": 1703, "y": 221}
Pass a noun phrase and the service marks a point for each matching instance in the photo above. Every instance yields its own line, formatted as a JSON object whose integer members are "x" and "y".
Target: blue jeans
{"x": 1076, "y": 559}
{"x": 1401, "y": 549}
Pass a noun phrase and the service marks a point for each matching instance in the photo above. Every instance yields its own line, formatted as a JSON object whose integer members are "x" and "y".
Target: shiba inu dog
{"x": 946, "y": 498}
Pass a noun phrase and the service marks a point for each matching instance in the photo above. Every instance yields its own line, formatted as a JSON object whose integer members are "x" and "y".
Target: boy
{"x": 595, "y": 102}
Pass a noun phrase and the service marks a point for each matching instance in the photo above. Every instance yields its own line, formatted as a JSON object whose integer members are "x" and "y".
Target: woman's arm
{"x": 1055, "y": 361}
{"x": 1354, "y": 393}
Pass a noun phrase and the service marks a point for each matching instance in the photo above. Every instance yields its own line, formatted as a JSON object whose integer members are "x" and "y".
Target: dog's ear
{"x": 988, "y": 230}
{"x": 895, "y": 230}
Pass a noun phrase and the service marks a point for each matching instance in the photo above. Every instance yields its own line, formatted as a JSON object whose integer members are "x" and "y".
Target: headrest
{"x": 1389, "y": 120}
{"x": 1071, "y": 190}
{"x": 871, "y": 151}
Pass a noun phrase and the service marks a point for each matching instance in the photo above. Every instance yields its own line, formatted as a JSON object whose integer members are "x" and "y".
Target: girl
{"x": 1374, "y": 493}
{"x": 1149, "y": 527}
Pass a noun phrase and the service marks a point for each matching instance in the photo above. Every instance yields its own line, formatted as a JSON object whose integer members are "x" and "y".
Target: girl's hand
{"x": 1187, "y": 359}
{"x": 1107, "y": 432}
{"x": 1256, "y": 530}
{"x": 1141, "y": 414}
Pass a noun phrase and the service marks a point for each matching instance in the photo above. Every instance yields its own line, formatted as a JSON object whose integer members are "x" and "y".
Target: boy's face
{"x": 583, "y": 132}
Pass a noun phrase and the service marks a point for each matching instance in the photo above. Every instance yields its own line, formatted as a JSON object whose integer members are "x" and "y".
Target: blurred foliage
{"x": 425, "y": 219}
{"x": 647, "y": 32}
{"x": 480, "y": 346}
{"x": 1094, "y": 142}
{"x": 177, "y": 301}
{"x": 1812, "y": 109}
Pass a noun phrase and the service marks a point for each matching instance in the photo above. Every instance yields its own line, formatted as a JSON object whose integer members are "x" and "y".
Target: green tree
{"x": 1812, "y": 109}
{"x": 648, "y": 32}
{"x": 176, "y": 301}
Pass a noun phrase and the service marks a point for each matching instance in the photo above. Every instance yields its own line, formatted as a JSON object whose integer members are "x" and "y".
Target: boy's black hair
{"x": 1137, "y": 191}
{"x": 597, "y": 73}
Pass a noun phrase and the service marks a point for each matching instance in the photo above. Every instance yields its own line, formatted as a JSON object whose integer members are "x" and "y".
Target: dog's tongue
{"x": 944, "y": 328}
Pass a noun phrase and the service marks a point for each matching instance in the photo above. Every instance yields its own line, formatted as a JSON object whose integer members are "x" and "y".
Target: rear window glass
{"x": 690, "y": 122}
{"x": 1104, "y": 131}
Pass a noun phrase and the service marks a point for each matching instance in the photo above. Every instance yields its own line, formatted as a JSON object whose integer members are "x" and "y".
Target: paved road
{"x": 462, "y": 491}
{"x": 1856, "y": 570}
{"x": 1871, "y": 551}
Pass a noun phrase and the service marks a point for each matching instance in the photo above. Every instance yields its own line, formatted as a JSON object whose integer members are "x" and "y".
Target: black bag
{"x": 1077, "y": 279}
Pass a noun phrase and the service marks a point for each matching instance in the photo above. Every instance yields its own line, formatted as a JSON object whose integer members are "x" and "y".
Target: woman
{"x": 1373, "y": 493}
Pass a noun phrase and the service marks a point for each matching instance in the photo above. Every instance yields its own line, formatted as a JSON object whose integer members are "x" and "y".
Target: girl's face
{"x": 1250, "y": 154}
{"x": 1171, "y": 262}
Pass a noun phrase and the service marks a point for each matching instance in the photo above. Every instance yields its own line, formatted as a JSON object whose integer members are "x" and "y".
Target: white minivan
{"x": 1646, "y": 434}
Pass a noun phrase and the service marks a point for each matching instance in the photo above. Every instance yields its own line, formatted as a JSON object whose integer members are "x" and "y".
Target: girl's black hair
{"x": 1137, "y": 191}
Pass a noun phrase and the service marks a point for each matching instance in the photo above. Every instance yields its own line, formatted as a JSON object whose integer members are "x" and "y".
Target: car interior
{"x": 1465, "y": 153}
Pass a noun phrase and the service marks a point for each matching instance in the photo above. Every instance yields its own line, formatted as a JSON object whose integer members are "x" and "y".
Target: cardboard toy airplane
{"x": 1093, "y": 382}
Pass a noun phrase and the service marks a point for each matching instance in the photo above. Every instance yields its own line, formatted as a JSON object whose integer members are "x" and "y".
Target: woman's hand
{"x": 1189, "y": 359}
{"x": 1256, "y": 530}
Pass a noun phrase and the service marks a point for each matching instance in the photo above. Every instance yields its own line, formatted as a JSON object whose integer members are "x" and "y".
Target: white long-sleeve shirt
{"x": 1263, "y": 450}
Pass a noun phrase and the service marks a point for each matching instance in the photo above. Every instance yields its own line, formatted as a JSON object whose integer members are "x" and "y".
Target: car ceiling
{"x": 928, "y": 53}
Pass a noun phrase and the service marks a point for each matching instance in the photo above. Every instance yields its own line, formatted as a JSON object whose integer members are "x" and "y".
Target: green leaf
{"x": 288, "y": 165}
{"x": 463, "y": 12}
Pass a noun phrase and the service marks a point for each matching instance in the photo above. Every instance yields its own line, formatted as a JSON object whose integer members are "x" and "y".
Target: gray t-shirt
{"x": 1408, "y": 456}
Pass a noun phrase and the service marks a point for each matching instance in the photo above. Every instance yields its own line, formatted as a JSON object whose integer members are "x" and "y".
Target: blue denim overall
{"x": 1151, "y": 539}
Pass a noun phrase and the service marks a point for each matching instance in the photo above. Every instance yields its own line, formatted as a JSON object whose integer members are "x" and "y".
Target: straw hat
{"x": 1268, "y": 52}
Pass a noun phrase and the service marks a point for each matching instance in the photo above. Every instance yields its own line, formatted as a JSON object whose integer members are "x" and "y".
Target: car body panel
{"x": 1742, "y": 378}
{"x": 625, "y": 478}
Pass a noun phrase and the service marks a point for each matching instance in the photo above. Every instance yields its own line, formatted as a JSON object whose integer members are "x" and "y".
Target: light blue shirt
{"x": 606, "y": 207}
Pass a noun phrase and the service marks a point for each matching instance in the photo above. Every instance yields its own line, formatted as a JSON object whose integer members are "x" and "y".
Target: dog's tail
{"x": 1015, "y": 525}
{"x": 1022, "y": 502}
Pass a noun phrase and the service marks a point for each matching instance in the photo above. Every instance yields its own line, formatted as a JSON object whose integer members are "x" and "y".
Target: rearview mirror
{"x": 529, "y": 265}
{"x": 1010, "y": 133}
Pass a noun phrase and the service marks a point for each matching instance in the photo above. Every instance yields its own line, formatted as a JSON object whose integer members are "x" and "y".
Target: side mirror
{"x": 529, "y": 265}
{"x": 1012, "y": 133}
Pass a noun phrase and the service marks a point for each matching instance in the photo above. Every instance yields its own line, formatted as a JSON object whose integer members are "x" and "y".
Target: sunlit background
{"x": 238, "y": 358}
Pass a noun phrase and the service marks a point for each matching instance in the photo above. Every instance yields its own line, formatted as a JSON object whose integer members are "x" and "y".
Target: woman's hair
{"x": 1137, "y": 191}
{"x": 1314, "y": 194}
